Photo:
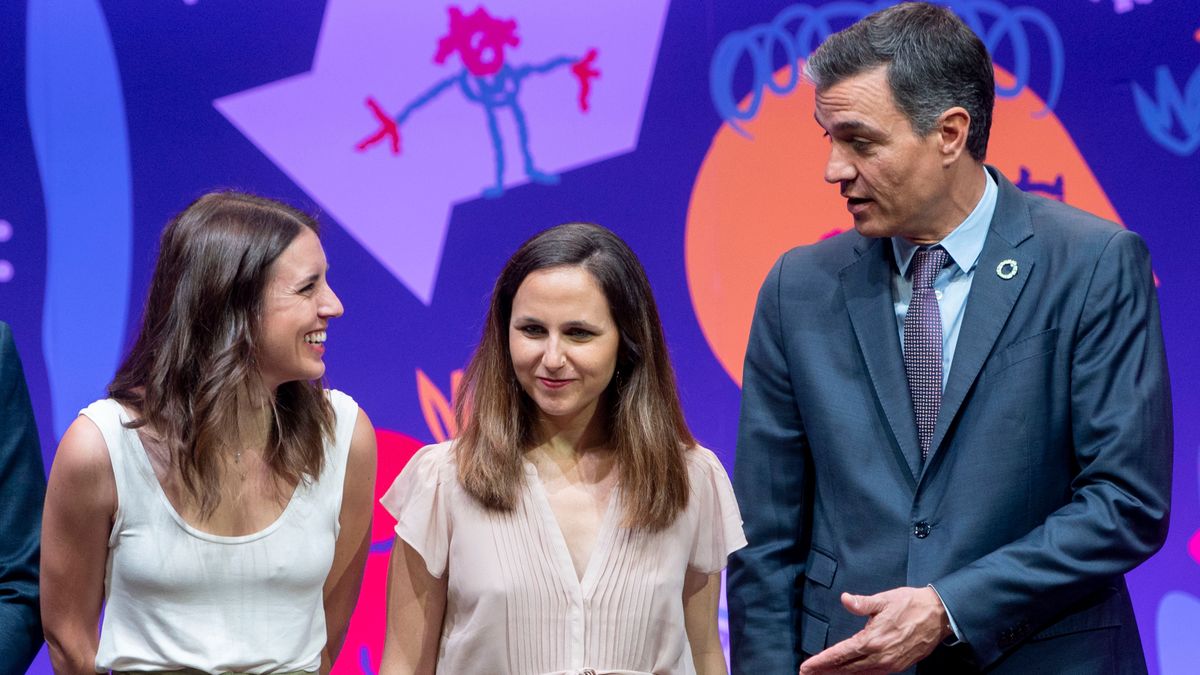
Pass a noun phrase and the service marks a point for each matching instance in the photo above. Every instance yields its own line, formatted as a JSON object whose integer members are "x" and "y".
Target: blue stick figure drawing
{"x": 487, "y": 80}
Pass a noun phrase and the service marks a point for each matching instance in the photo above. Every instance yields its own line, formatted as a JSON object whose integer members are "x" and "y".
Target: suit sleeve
{"x": 772, "y": 481}
{"x": 22, "y": 489}
{"x": 1122, "y": 436}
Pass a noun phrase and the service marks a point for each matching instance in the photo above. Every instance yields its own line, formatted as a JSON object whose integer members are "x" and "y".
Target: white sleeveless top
{"x": 177, "y": 597}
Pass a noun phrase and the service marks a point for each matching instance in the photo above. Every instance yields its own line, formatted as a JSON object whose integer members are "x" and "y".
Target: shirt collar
{"x": 965, "y": 242}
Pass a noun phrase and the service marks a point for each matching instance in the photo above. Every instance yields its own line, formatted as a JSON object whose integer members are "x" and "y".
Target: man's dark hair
{"x": 934, "y": 62}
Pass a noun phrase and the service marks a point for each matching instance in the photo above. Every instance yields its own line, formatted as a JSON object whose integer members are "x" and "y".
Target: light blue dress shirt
{"x": 953, "y": 283}
{"x": 950, "y": 287}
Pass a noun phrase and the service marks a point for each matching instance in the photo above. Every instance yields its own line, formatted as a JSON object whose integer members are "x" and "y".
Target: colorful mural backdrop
{"x": 434, "y": 137}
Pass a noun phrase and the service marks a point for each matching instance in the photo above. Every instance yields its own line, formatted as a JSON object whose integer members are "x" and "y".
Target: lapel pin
{"x": 1007, "y": 269}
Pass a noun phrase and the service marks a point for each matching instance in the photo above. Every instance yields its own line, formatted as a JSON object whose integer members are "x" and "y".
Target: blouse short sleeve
{"x": 718, "y": 522}
{"x": 419, "y": 501}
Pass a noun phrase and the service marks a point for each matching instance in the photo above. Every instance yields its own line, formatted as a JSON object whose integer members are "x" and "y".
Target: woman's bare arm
{"x": 354, "y": 539}
{"x": 701, "y": 600}
{"x": 416, "y": 606}
{"x": 81, "y": 502}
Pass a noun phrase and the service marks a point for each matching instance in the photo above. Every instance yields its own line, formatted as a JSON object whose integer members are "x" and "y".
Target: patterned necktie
{"x": 923, "y": 343}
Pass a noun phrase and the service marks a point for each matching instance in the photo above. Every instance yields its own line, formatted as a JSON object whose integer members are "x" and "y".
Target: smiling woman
{"x": 220, "y": 490}
{"x": 297, "y": 307}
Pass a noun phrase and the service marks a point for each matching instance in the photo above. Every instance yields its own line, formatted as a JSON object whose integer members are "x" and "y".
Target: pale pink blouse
{"x": 514, "y": 602}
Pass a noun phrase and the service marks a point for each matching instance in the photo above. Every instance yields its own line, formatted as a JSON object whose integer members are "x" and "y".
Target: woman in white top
{"x": 575, "y": 526}
{"x": 217, "y": 505}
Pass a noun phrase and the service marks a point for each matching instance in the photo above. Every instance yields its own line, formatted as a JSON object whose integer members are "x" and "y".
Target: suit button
{"x": 921, "y": 529}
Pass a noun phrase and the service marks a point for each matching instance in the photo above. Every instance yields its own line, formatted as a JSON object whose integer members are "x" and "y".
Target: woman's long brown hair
{"x": 646, "y": 430}
{"x": 196, "y": 351}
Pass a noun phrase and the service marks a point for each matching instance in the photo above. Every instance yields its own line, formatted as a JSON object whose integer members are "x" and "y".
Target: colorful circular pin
{"x": 1007, "y": 269}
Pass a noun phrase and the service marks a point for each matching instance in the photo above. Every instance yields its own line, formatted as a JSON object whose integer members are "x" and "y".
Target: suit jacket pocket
{"x": 1033, "y": 346}
{"x": 814, "y": 633}
{"x": 814, "y": 624}
{"x": 821, "y": 567}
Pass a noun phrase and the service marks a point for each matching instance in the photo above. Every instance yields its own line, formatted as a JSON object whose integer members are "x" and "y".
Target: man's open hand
{"x": 905, "y": 625}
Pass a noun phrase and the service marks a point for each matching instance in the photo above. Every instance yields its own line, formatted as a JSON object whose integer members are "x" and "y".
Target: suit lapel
{"x": 990, "y": 301}
{"x": 867, "y": 284}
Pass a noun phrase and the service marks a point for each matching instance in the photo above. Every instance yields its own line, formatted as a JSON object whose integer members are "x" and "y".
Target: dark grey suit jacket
{"x": 22, "y": 489}
{"x": 1049, "y": 471}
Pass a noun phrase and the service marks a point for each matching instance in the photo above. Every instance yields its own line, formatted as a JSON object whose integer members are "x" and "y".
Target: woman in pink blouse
{"x": 575, "y": 526}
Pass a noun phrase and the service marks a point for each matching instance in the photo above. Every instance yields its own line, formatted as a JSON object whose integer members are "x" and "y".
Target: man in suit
{"x": 22, "y": 489}
{"x": 955, "y": 432}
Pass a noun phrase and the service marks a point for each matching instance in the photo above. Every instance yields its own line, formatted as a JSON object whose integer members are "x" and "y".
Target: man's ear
{"x": 952, "y": 128}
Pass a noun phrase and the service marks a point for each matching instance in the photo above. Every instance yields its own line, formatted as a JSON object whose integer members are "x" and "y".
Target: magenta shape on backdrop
{"x": 398, "y": 206}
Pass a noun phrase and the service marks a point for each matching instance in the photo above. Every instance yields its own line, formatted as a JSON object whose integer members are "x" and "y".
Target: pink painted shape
{"x": 483, "y": 55}
{"x": 370, "y": 614}
{"x": 1193, "y": 547}
{"x": 387, "y": 129}
{"x": 585, "y": 73}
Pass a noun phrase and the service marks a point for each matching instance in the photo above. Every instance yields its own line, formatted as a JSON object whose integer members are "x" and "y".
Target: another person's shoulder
{"x": 84, "y": 443}
{"x": 106, "y": 416}
{"x": 712, "y": 507}
{"x": 342, "y": 403}
{"x": 422, "y": 486}
{"x": 83, "y": 462}
{"x": 1045, "y": 210}
{"x": 834, "y": 250}
{"x": 1071, "y": 239}
{"x": 1051, "y": 216}
{"x": 436, "y": 461}
{"x": 1078, "y": 243}
{"x": 817, "y": 265}
{"x": 352, "y": 430}
{"x": 703, "y": 465}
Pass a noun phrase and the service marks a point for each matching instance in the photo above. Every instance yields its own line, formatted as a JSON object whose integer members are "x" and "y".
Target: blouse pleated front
{"x": 514, "y": 601}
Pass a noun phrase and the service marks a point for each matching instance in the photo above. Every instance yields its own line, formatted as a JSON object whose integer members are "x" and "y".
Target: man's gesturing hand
{"x": 905, "y": 625}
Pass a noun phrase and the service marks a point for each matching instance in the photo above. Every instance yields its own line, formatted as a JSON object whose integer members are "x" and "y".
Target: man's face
{"x": 894, "y": 181}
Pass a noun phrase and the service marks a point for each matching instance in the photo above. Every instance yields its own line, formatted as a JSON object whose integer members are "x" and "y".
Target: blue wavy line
{"x": 77, "y": 121}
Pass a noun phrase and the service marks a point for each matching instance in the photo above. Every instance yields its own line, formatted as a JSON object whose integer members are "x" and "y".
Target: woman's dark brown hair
{"x": 646, "y": 430}
{"x": 196, "y": 352}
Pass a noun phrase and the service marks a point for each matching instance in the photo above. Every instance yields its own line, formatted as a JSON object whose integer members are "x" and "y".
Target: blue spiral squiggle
{"x": 799, "y": 29}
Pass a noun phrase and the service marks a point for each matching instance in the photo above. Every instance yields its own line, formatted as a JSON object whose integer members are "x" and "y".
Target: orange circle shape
{"x": 756, "y": 197}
